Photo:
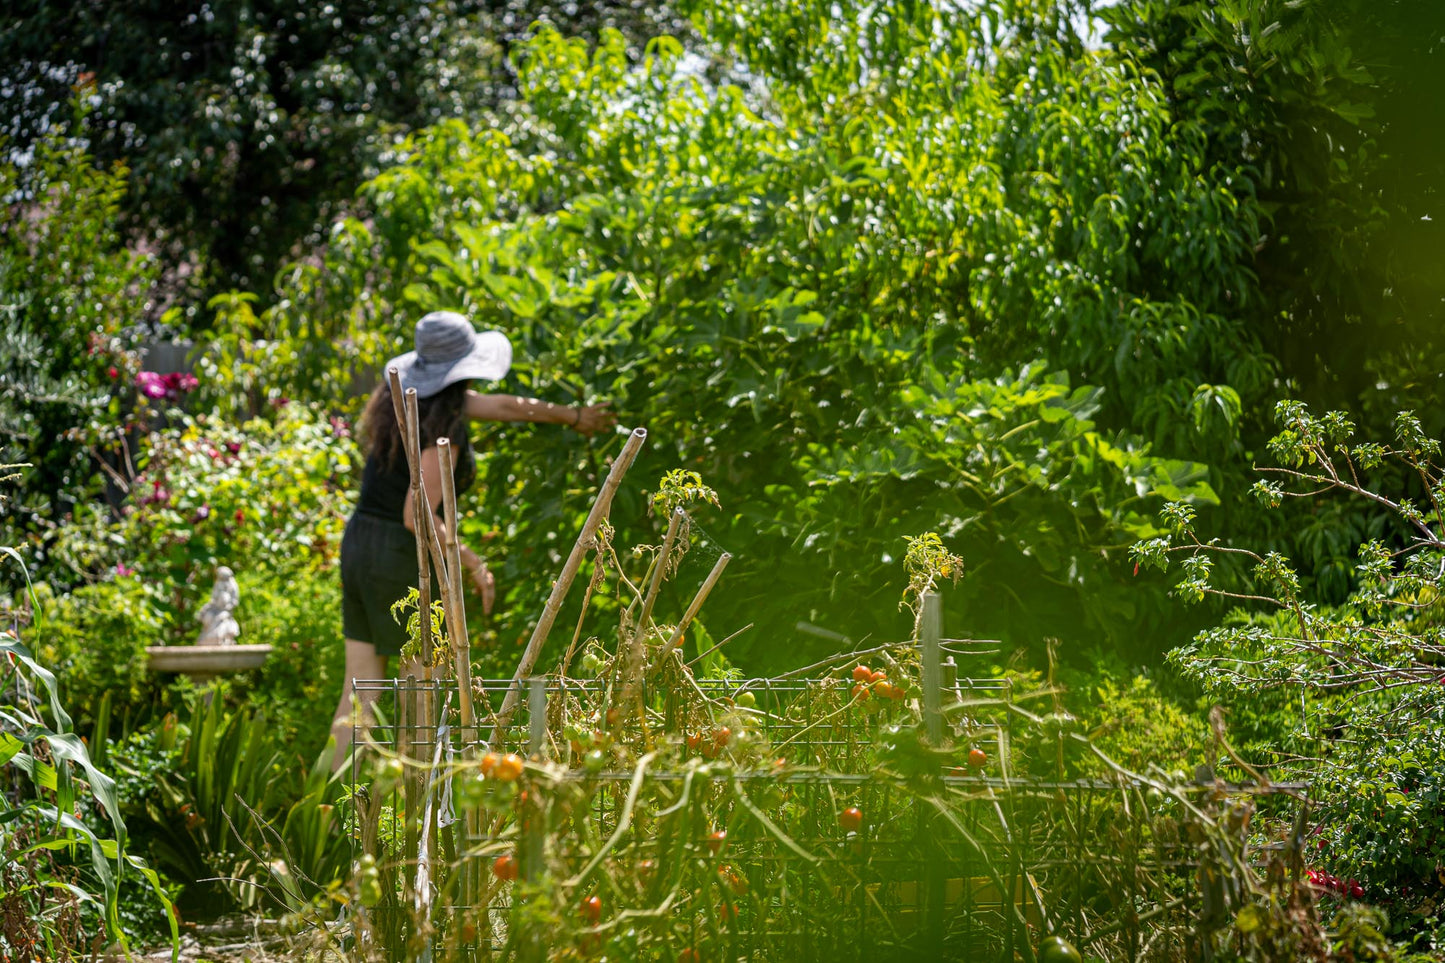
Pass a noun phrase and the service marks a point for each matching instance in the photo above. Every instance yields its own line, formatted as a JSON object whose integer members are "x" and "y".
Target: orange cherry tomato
{"x": 861, "y": 673}
{"x": 509, "y": 767}
{"x": 505, "y": 867}
{"x": 489, "y": 762}
{"x": 977, "y": 758}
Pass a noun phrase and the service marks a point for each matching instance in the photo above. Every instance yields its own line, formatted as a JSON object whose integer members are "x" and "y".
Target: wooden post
{"x": 929, "y": 638}
{"x": 456, "y": 606}
{"x": 692, "y": 610}
{"x": 599, "y": 511}
{"x": 633, "y": 660}
{"x": 405, "y": 406}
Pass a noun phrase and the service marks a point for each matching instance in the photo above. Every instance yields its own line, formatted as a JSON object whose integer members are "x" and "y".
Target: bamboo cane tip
{"x": 639, "y": 433}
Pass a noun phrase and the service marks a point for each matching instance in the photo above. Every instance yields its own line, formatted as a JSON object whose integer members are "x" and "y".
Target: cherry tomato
{"x": 489, "y": 762}
{"x": 688, "y": 955}
{"x": 851, "y": 819}
{"x": 694, "y": 739}
{"x": 716, "y": 839}
{"x": 591, "y": 910}
{"x": 861, "y": 673}
{"x": 505, "y": 867}
{"x": 722, "y": 737}
{"x": 645, "y": 869}
{"x": 882, "y": 688}
{"x": 726, "y": 912}
{"x": 594, "y": 760}
{"x": 1056, "y": 949}
{"x": 508, "y": 768}
{"x": 977, "y": 758}
{"x": 877, "y": 676}
{"x": 747, "y": 700}
{"x": 860, "y": 692}
{"x": 733, "y": 880}
{"x": 897, "y": 693}
{"x": 469, "y": 932}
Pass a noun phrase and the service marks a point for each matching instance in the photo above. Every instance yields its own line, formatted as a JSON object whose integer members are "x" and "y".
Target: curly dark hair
{"x": 439, "y": 416}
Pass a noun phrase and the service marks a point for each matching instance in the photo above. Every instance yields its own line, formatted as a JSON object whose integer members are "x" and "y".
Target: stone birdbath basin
{"x": 215, "y": 652}
{"x": 204, "y": 662}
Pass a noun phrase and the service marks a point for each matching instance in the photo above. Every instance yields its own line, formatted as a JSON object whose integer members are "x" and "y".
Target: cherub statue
{"x": 217, "y": 625}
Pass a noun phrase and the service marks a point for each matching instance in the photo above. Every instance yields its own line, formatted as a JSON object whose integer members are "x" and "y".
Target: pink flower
{"x": 150, "y": 384}
{"x": 123, "y": 570}
{"x": 112, "y": 372}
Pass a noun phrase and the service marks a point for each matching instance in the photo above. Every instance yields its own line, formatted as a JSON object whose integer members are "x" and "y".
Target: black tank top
{"x": 384, "y": 487}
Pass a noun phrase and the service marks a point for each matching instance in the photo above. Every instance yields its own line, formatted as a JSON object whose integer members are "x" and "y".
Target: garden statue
{"x": 218, "y": 627}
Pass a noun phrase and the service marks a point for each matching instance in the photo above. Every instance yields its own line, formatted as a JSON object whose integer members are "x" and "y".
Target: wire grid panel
{"x": 964, "y": 878}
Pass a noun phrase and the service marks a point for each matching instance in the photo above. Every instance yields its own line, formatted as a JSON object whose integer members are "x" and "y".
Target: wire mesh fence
{"x": 789, "y": 844}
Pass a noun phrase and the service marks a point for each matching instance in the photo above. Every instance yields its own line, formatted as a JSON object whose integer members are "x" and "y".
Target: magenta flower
{"x": 150, "y": 384}
{"x": 123, "y": 570}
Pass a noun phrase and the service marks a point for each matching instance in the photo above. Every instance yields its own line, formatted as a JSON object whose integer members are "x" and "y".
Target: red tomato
{"x": 722, "y": 737}
{"x": 694, "y": 739}
{"x": 977, "y": 758}
{"x": 716, "y": 839}
{"x": 861, "y": 673}
{"x": 860, "y": 692}
{"x": 505, "y": 867}
{"x": 591, "y": 910}
{"x": 733, "y": 880}
{"x": 851, "y": 819}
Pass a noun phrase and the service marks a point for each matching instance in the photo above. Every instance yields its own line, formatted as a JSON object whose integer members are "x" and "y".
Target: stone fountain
{"x": 215, "y": 651}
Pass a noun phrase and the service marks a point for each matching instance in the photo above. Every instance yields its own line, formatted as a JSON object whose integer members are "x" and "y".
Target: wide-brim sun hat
{"x": 448, "y": 350}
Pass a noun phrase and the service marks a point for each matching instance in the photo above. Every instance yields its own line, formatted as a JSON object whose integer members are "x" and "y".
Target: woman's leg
{"x": 362, "y": 662}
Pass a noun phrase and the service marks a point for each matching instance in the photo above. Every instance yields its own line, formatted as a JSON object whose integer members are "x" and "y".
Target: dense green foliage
{"x": 1350, "y": 697}
{"x": 267, "y": 498}
{"x": 249, "y": 125}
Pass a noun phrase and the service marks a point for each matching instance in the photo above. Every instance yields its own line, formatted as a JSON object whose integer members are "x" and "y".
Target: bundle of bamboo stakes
{"x": 444, "y": 560}
{"x": 439, "y": 561}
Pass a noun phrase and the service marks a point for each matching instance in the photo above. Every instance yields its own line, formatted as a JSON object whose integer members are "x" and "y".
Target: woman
{"x": 378, "y": 550}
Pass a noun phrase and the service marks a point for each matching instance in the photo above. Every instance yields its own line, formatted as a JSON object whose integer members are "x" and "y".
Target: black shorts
{"x": 378, "y": 566}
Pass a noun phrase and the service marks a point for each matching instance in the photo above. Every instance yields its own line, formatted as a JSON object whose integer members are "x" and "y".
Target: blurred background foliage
{"x": 1014, "y": 273}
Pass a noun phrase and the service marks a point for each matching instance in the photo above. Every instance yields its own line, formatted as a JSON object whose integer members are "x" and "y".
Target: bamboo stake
{"x": 584, "y": 541}
{"x": 632, "y": 667}
{"x": 406, "y": 422}
{"x": 692, "y": 609}
{"x": 456, "y": 605}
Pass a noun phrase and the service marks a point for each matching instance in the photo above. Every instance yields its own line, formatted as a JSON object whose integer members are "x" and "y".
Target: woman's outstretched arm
{"x": 587, "y": 419}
